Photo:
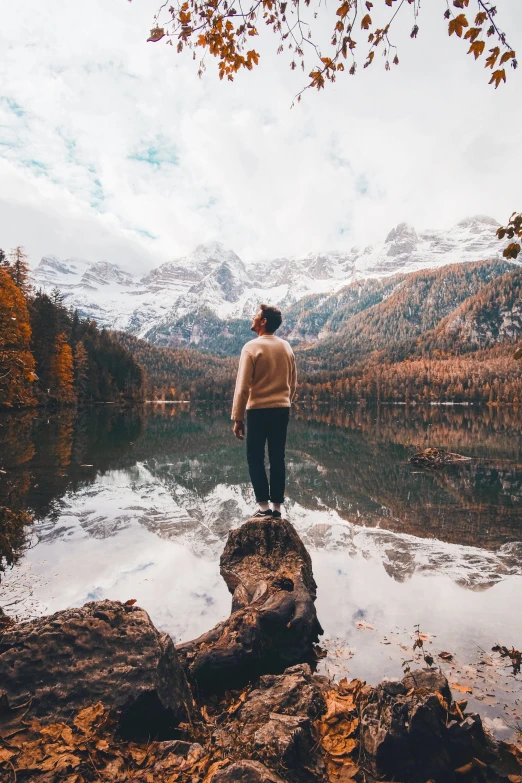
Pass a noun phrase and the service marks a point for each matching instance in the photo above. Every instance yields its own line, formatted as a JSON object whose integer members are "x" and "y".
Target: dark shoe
{"x": 259, "y": 513}
{"x": 276, "y": 514}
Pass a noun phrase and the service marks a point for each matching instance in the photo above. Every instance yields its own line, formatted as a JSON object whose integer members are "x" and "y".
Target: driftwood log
{"x": 273, "y": 624}
{"x": 437, "y": 458}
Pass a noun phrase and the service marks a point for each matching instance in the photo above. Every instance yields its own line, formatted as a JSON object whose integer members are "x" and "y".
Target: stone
{"x": 104, "y": 651}
{"x": 274, "y": 723}
{"x": 294, "y": 693}
{"x": 246, "y": 771}
{"x": 430, "y": 680}
{"x": 286, "y": 739}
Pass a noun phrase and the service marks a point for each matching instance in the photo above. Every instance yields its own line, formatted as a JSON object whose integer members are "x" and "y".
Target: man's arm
{"x": 244, "y": 379}
{"x": 293, "y": 378}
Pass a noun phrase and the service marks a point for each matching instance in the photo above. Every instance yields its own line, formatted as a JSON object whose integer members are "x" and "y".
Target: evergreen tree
{"x": 16, "y": 361}
{"x": 81, "y": 370}
{"x": 4, "y": 261}
{"x": 45, "y": 330}
{"x": 57, "y": 297}
{"x": 19, "y": 268}
{"x": 75, "y": 328}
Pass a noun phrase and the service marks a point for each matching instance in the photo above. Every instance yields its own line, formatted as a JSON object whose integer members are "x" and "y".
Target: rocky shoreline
{"x": 97, "y": 693}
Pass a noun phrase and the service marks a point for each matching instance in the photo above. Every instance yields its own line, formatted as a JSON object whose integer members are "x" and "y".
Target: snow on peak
{"x": 402, "y": 230}
{"x": 478, "y": 221}
{"x": 104, "y": 273}
{"x": 215, "y": 278}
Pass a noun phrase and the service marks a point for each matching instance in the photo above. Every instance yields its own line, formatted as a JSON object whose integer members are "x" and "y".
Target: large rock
{"x": 273, "y": 622}
{"x": 104, "y": 651}
{"x": 295, "y": 693}
{"x": 274, "y": 725}
{"x": 409, "y": 731}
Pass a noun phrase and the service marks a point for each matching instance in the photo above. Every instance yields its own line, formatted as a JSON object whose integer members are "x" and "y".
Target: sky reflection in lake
{"x": 138, "y": 504}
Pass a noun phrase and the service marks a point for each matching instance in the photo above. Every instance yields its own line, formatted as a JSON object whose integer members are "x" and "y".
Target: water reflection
{"x": 137, "y": 503}
{"x": 353, "y": 462}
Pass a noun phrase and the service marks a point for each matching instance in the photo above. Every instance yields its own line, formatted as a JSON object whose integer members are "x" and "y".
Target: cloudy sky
{"x": 112, "y": 148}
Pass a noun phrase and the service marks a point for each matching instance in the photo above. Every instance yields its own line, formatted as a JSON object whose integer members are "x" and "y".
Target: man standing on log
{"x": 265, "y": 386}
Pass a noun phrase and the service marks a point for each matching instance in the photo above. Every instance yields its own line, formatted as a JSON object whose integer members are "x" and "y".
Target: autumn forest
{"x": 50, "y": 356}
{"x": 445, "y": 335}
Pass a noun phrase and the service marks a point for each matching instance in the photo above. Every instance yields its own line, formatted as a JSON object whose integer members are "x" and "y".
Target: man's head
{"x": 267, "y": 320}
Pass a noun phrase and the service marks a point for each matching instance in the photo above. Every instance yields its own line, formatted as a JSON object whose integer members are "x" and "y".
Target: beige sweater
{"x": 266, "y": 377}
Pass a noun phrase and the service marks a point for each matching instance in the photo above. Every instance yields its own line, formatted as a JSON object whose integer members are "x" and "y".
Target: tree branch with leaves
{"x": 226, "y": 28}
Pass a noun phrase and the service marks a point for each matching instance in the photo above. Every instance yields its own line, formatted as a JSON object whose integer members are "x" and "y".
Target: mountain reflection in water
{"x": 138, "y": 503}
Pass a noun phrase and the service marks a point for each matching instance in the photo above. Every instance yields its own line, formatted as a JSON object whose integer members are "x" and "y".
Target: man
{"x": 265, "y": 386}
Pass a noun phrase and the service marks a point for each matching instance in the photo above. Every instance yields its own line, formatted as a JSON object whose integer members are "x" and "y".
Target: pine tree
{"x": 16, "y": 361}
{"x": 57, "y": 297}
{"x": 19, "y": 269}
{"x": 62, "y": 370}
{"x": 4, "y": 261}
{"x": 81, "y": 370}
{"x": 45, "y": 330}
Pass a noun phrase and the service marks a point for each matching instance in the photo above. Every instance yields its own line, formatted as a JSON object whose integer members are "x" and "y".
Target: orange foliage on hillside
{"x": 16, "y": 360}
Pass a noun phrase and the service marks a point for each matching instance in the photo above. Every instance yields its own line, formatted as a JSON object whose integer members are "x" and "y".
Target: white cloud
{"x": 113, "y": 148}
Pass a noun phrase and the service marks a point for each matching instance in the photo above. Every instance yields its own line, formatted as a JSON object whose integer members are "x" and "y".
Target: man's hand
{"x": 239, "y": 429}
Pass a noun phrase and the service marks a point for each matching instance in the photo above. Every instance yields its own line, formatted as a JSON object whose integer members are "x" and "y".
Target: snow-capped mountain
{"x": 216, "y": 280}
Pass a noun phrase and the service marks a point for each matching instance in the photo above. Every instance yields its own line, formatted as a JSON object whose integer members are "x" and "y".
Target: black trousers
{"x": 267, "y": 425}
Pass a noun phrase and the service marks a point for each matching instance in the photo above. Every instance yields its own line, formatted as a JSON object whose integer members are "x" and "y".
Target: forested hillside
{"x": 374, "y": 310}
{"x": 181, "y": 373}
{"x": 412, "y": 307}
{"x": 204, "y": 331}
{"x": 442, "y": 336}
{"x": 431, "y": 336}
{"x": 49, "y": 355}
{"x": 493, "y": 315}
{"x": 317, "y": 316}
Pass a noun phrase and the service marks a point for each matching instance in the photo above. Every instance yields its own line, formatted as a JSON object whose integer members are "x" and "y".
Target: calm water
{"x": 138, "y": 504}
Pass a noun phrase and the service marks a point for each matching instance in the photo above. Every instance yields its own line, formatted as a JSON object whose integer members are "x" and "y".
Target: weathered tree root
{"x": 273, "y": 623}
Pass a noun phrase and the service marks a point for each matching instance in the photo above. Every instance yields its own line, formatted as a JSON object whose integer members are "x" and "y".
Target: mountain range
{"x": 208, "y": 297}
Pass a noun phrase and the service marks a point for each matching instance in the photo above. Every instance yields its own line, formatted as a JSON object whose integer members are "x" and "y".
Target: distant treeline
{"x": 48, "y": 355}
{"x": 182, "y": 373}
{"x": 487, "y": 376}
{"x": 491, "y": 376}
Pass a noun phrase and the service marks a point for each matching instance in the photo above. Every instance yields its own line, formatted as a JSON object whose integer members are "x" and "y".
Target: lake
{"x": 138, "y": 502}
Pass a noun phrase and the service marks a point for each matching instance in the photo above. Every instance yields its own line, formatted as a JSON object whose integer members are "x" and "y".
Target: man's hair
{"x": 273, "y": 317}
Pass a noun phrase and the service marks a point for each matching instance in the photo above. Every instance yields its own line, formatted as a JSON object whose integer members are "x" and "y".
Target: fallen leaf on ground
{"x": 473, "y": 764}
{"x": 339, "y": 772}
{"x": 234, "y": 707}
{"x": 338, "y": 705}
{"x": 214, "y": 768}
{"x": 87, "y": 718}
{"x": 446, "y": 656}
{"x": 338, "y": 744}
{"x": 139, "y": 755}
{"x": 462, "y": 688}
{"x": 363, "y": 626}
{"x": 353, "y": 686}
